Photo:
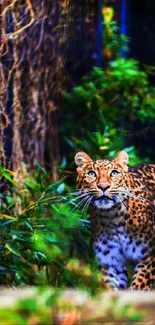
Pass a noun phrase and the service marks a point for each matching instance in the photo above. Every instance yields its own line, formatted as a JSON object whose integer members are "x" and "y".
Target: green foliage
{"x": 43, "y": 235}
{"x": 113, "y": 41}
{"x": 103, "y": 112}
{"x": 108, "y": 103}
{"x": 120, "y": 91}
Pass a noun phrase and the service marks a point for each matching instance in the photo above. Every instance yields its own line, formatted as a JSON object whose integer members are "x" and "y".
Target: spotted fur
{"x": 122, "y": 207}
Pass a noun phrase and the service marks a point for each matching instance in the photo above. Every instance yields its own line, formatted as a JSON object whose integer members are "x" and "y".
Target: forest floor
{"x": 68, "y": 307}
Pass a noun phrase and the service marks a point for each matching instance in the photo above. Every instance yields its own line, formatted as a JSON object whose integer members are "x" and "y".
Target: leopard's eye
{"x": 114, "y": 173}
{"x": 91, "y": 173}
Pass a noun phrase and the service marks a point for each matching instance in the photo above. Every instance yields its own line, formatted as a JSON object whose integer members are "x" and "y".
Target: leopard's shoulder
{"x": 143, "y": 175}
{"x": 146, "y": 169}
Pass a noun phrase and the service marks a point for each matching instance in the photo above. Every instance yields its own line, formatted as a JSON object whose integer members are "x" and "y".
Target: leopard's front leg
{"x": 114, "y": 277}
{"x": 144, "y": 275}
{"x": 112, "y": 263}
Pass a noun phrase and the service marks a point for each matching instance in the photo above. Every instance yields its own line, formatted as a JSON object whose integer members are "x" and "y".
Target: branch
{"x": 7, "y": 8}
{"x": 17, "y": 32}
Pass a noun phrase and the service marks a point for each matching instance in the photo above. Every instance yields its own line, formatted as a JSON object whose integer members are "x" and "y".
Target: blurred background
{"x": 74, "y": 75}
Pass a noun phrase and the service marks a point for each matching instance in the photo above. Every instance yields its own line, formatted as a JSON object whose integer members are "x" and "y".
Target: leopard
{"x": 121, "y": 203}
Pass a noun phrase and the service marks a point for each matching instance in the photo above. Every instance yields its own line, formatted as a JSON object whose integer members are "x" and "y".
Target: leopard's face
{"x": 100, "y": 181}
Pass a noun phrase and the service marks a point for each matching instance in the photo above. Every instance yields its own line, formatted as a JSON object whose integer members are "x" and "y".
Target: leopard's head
{"x": 101, "y": 180}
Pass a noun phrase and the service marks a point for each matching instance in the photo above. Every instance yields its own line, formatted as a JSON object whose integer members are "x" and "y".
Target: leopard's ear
{"x": 122, "y": 159}
{"x": 81, "y": 158}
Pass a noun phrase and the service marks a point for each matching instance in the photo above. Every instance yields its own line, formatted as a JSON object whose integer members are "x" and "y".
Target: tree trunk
{"x": 45, "y": 43}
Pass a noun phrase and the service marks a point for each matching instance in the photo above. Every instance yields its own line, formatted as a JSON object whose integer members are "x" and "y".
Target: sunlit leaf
{"x": 7, "y": 216}
{"x": 7, "y": 175}
{"x": 11, "y": 247}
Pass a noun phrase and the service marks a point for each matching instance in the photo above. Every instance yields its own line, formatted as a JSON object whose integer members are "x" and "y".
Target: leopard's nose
{"x": 103, "y": 186}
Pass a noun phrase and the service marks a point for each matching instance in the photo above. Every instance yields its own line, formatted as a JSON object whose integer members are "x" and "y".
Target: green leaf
{"x": 11, "y": 247}
{"x": 7, "y": 175}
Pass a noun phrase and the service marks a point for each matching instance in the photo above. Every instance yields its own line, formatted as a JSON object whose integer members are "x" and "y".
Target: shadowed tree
{"x": 39, "y": 42}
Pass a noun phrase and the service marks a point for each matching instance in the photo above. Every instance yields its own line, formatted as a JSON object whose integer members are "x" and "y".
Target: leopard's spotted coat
{"x": 122, "y": 206}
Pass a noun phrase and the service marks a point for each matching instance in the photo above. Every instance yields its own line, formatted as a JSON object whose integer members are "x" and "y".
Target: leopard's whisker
{"x": 130, "y": 195}
{"x": 82, "y": 202}
{"x": 122, "y": 201}
{"x": 131, "y": 189}
{"x": 73, "y": 200}
{"x": 77, "y": 206}
{"x": 140, "y": 199}
{"x": 87, "y": 203}
{"x": 136, "y": 197}
{"x": 78, "y": 197}
{"x": 72, "y": 193}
